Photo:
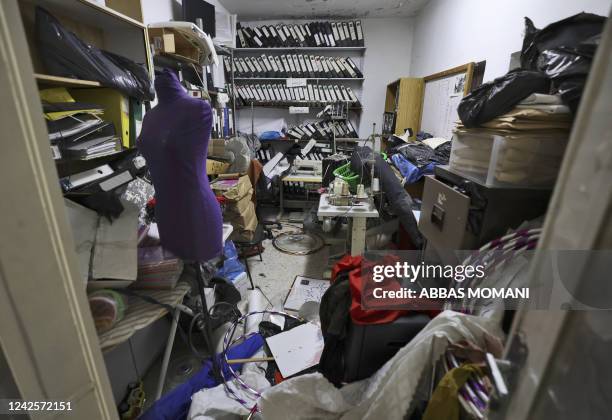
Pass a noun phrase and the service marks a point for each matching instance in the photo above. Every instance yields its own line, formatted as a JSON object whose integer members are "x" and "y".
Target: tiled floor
{"x": 274, "y": 275}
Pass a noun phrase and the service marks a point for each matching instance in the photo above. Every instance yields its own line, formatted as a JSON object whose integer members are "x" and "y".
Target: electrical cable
{"x": 228, "y": 341}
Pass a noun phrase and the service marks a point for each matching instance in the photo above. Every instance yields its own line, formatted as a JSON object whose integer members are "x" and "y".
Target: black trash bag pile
{"x": 64, "y": 54}
{"x": 564, "y": 51}
{"x": 500, "y": 96}
{"x": 556, "y": 60}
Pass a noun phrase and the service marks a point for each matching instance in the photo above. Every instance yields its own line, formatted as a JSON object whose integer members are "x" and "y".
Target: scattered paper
{"x": 297, "y": 349}
{"x": 305, "y": 289}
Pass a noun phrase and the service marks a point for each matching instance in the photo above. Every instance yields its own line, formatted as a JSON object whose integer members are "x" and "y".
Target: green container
{"x": 345, "y": 173}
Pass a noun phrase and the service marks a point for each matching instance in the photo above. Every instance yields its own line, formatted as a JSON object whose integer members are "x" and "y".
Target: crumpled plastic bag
{"x": 388, "y": 393}
{"x": 65, "y": 54}
{"x": 564, "y": 51}
{"x": 567, "y": 33}
{"x": 568, "y": 69}
{"x": 495, "y": 98}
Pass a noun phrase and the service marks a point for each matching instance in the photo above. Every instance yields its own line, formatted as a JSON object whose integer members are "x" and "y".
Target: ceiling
{"x": 297, "y": 9}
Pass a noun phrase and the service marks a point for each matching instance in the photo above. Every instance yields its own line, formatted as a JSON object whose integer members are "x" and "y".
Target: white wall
{"x": 449, "y": 33}
{"x": 164, "y": 10}
{"x": 389, "y": 45}
{"x": 388, "y": 49}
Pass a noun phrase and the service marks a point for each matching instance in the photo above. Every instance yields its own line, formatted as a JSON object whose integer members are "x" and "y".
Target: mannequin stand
{"x": 204, "y": 273}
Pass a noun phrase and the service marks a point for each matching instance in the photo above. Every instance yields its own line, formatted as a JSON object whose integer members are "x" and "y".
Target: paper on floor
{"x": 297, "y": 349}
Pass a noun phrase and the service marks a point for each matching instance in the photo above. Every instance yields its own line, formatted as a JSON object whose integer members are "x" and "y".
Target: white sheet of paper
{"x": 305, "y": 289}
{"x": 297, "y": 349}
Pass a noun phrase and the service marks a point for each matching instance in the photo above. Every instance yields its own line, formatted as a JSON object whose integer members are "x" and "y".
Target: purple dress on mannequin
{"x": 174, "y": 141}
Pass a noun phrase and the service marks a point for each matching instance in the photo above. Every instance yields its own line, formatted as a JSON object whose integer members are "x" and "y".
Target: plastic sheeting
{"x": 390, "y": 392}
{"x": 64, "y": 54}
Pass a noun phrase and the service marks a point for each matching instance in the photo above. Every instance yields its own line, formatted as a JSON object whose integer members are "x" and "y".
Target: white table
{"x": 356, "y": 213}
{"x": 313, "y": 179}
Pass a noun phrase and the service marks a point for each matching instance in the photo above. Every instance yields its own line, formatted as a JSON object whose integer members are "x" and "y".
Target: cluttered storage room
{"x": 303, "y": 209}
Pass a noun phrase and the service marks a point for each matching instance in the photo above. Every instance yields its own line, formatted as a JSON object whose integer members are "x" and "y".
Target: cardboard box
{"x": 216, "y": 147}
{"x": 244, "y": 226}
{"x": 234, "y": 189}
{"x": 215, "y": 167}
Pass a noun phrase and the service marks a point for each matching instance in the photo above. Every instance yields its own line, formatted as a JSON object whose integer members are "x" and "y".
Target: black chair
{"x": 262, "y": 232}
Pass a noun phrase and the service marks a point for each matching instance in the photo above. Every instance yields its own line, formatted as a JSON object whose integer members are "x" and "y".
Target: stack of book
{"x": 293, "y": 65}
{"x": 312, "y": 34}
{"x": 223, "y": 123}
{"x": 323, "y": 130}
{"x": 280, "y": 94}
{"x": 76, "y": 129}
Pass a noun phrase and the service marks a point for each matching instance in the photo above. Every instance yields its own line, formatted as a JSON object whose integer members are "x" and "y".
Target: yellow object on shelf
{"x": 116, "y": 109}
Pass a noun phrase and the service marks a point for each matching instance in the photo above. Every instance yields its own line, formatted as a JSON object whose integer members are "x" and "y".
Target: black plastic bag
{"x": 500, "y": 96}
{"x": 568, "y": 69}
{"x": 567, "y": 33}
{"x": 64, "y": 54}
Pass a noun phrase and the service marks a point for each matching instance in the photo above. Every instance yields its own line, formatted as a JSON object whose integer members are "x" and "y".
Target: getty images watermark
{"x": 496, "y": 280}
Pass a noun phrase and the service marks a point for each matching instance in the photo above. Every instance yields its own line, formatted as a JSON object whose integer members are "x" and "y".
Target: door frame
{"x": 578, "y": 218}
{"x": 46, "y": 328}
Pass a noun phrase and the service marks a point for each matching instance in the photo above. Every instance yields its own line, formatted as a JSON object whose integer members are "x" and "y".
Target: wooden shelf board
{"x": 48, "y": 79}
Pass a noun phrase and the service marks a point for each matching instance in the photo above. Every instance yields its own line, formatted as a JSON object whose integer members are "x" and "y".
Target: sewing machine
{"x": 307, "y": 167}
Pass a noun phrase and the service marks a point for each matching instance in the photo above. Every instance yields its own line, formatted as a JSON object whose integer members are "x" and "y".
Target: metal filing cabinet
{"x": 460, "y": 213}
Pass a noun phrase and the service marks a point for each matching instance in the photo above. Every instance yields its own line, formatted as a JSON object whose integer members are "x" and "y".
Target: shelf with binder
{"x": 324, "y": 49}
{"x": 314, "y": 79}
{"x": 286, "y": 66}
{"x": 313, "y": 34}
{"x": 287, "y": 105}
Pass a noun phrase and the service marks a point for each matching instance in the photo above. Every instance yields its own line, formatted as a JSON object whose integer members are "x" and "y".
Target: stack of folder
{"x": 223, "y": 123}
{"x": 280, "y": 94}
{"x": 293, "y": 65}
{"x": 76, "y": 129}
{"x": 323, "y": 130}
{"x": 312, "y": 34}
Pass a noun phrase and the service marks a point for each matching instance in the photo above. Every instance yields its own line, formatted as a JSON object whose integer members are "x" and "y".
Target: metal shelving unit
{"x": 314, "y": 79}
{"x": 325, "y": 49}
